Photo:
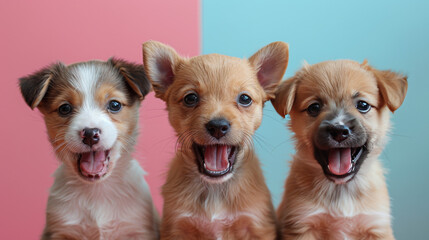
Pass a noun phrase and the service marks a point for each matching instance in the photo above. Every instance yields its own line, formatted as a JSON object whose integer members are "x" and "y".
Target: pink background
{"x": 37, "y": 33}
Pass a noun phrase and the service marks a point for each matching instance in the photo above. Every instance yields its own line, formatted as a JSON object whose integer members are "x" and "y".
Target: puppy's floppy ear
{"x": 34, "y": 86}
{"x": 134, "y": 75}
{"x": 285, "y": 96}
{"x": 393, "y": 87}
{"x": 160, "y": 61}
{"x": 270, "y": 63}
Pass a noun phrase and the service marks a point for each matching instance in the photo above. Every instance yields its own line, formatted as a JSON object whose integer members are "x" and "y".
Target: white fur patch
{"x": 91, "y": 114}
{"x": 122, "y": 197}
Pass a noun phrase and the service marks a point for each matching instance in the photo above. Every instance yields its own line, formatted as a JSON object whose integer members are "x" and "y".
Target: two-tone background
{"x": 390, "y": 34}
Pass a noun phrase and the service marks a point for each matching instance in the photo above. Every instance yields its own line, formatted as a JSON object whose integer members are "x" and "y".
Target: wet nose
{"x": 90, "y": 136}
{"x": 339, "y": 132}
{"x": 218, "y": 127}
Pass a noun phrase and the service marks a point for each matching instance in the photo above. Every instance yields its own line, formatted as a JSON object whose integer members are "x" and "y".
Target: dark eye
{"x": 65, "y": 109}
{"x": 314, "y": 109}
{"x": 244, "y": 100}
{"x": 114, "y": 106}
{"x": 191, "y": 100}
{"x": 363, "y": 106}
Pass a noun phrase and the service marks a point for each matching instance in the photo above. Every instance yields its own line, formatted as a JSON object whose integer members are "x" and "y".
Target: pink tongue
{"x": 92, "y": 162}
{"x": 216, "y": 157}
{"x": 340, "y": 161}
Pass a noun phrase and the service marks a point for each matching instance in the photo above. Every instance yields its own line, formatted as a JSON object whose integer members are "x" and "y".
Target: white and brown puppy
{"x": 215, "y": 188}
{"x": 91, "y": 114}
{"x": 339, "y": 113}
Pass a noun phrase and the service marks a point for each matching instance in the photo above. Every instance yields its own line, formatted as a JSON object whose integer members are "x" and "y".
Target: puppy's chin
{"x": 340, "y": 165}
{"x": 215, "y": 161}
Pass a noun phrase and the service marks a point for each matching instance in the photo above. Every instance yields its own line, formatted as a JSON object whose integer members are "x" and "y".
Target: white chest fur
{"x": 124, "y": 198}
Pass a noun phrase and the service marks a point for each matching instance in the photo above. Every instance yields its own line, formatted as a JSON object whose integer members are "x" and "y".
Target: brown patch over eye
{"x": 110, "y": 98}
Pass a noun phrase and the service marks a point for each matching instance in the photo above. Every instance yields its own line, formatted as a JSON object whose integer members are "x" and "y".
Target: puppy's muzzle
{"x": 92, "y": 165}
{"x": 345, "y": 133}
{"x": 216, "y": 158}
{"x": 340, "y": 147}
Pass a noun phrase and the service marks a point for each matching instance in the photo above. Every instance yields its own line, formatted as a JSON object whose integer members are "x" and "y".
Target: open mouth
{"x": 341, "y": 163}
{"x": 93, "y": 165}
{"x": 215, "y": 160}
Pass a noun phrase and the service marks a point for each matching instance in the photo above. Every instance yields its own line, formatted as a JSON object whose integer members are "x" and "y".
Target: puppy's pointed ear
{"x": 34, "y": 86}
{"x": 270, "y": 63}
{"x": 392, "y": 86}
{"x": 134, "y": 75}
{"x": 285, "y": 96}
{"x": 160, "y": 61}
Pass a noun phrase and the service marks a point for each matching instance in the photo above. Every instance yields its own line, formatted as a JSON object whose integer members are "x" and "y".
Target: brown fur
{"x": 196, "y": 207}
{"x": 313, "y": 207}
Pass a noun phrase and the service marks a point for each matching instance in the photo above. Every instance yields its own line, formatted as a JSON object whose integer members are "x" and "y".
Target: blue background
{"x": 390, "y": 34}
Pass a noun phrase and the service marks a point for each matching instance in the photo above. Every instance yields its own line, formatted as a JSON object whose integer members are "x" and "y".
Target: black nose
{"x": 90, "y": 136}
{"x": 339, "y": 132}
{"x": 218, "y": 127}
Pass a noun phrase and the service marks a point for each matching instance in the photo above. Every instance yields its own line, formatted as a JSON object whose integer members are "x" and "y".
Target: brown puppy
{"x": 339, "y": 113}
{"x": 215, "y": 188}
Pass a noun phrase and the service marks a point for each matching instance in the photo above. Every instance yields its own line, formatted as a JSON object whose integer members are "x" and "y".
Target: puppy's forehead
{"x": 83, "y": 83}
{"x": 215, "y": 72}
{"x": 337, "y": 80}
{"x": 87, "y": 77}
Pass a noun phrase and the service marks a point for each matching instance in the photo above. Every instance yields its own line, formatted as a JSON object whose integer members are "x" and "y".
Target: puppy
{"x": 215, "y": 188}
{"x": 91, "y": 114}
{"x": 339, "y": 113}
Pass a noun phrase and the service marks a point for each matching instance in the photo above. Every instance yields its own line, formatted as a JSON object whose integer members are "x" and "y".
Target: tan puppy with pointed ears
{"x": 339, "y": 113}
{"x": 91, "y": 115}
{"x": 215, "y": 188}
